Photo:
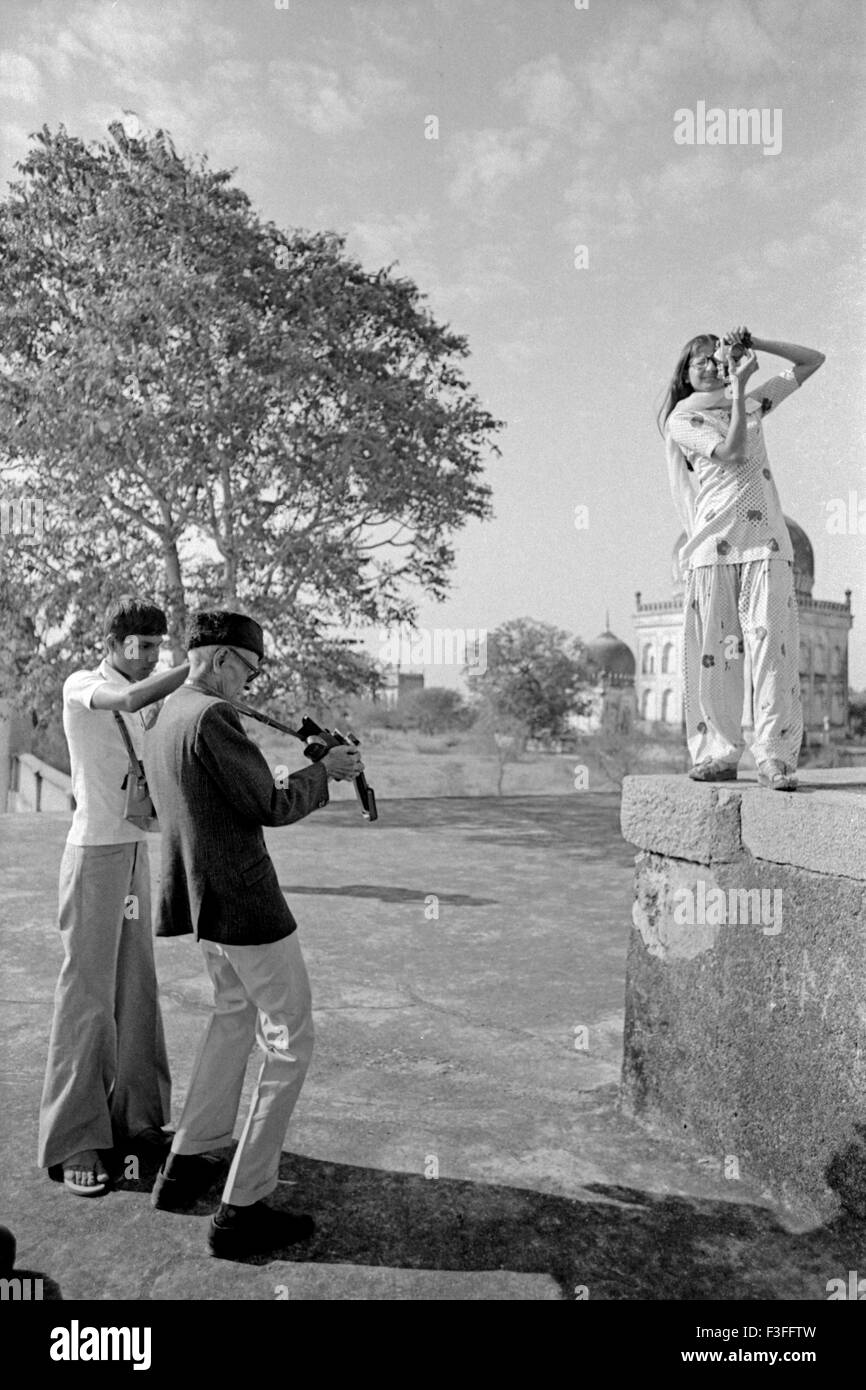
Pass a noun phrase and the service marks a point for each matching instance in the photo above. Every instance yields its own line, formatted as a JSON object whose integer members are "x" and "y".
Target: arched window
{"x": 837, "y": 661}
{"x": 669, "y": 659}
{"x": 668, "y": 706}
{"x": 819, "y": 658}
{"x": 649, "y": 660}
{"x": 804, "y": 658}
{"x": 646, "y": 705}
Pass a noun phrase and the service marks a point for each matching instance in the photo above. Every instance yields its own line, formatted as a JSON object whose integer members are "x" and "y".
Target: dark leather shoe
{"x": 152, "y": 1145}
{"x": 191, "y": 1178}
{"x": 238, "y": 1231}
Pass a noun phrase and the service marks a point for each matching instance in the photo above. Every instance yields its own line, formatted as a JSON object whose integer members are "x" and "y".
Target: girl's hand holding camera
{"x": 742, "y": 369}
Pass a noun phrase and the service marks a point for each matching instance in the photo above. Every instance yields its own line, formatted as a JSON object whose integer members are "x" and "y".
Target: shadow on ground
{"x": 618, "y": 1243}
{"x": 387, "y": 893}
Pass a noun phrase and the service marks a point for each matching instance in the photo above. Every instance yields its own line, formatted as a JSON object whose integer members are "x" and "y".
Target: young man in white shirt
{"x": 107, "y": 1079}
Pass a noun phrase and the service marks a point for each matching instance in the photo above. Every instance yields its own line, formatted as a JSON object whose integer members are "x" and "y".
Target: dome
{"x": 610, "y": 655}
{"x": 804, "y": 560}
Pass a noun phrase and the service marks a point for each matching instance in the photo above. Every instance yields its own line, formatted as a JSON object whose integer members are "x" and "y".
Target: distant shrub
{"x": 365, "y": 715}
{"x": 436, "y": 710}
{"x": 436, "y": 745}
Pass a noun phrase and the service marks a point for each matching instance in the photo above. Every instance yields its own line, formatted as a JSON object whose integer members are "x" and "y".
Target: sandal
{"x": 775, "y": 775}
{"x": 85, "y": 1164}
{"x": 713, "y": 770}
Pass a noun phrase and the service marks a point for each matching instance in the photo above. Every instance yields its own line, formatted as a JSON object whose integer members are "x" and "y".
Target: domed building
{"x": 613, "y": 701}
{"x": 824, "y": 628}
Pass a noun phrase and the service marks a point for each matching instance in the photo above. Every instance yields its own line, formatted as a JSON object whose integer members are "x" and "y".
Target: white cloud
{"x": 331, "y": 102}
{"x": 516, "y": 354}
{"x": 836, "y": 216}
{"x": 738, "y": 39}
{"x": 691, "y": 181}
{"x": 486, "y": 162}
{"x": 63, "y": 55}
{"x": 395, "y": 30}
{"x": 652, "y": 52}
{"x": 123, "y": 39}
{"x": 546, "y": 96}
{"x": 19, "y": 79}
{"x": 383, "y": 240}
{"x": 780, "y": 253}
{"x": 232, "y": 72}
{"x": 141, "y": 36}
{"x": 601, "y": 207}
{"x": 485, "y": 274}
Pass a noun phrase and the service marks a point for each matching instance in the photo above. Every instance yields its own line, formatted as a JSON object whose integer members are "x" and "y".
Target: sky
{"x": 525, "y": 165}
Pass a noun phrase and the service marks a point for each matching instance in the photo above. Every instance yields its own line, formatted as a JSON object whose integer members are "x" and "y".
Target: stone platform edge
{"x": 821, "y": 827}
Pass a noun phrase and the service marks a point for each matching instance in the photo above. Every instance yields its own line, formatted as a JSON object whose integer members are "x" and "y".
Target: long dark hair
{"x": 680, "y": 386}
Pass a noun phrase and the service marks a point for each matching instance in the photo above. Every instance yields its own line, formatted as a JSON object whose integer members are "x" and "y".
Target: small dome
{"x": 611, "y": 656}
{"x": 804, "y": 560}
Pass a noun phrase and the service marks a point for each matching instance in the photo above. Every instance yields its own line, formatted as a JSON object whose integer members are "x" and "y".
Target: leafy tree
{"x": 436, "y": 710}
{"x": 536, "y": 674}
{"x": 218, "y": 413}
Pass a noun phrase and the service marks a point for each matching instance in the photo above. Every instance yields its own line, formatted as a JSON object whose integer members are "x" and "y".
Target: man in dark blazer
{"x": 214, "y": 792}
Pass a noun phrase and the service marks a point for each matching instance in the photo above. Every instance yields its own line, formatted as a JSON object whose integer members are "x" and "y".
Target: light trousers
{"x": 107, "y": 1075}
{"x": 261, "y": 994}
{"x": 741, "y": 637}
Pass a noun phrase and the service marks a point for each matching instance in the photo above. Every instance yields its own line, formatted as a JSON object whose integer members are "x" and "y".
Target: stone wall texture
{"x": 745, "y": 1024}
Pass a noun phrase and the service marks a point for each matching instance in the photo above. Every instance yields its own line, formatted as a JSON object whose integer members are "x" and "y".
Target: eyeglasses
{"x": 253, "y": 670}
{"x": 701, "y": 362}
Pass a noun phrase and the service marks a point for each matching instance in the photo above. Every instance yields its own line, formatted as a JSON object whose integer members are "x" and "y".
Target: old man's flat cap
{"x": 217, "y": 628}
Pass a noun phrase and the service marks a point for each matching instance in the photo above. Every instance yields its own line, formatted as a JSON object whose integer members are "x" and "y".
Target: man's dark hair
{"x": 128, "y": 615}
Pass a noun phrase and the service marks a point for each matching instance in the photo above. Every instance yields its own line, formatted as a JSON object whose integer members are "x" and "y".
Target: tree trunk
{"x": 177, "y": 615}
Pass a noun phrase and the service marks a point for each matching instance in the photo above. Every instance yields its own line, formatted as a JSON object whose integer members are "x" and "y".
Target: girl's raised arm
{"x": 806, "y": 360}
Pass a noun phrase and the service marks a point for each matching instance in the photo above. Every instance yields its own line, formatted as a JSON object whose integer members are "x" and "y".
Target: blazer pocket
{"x": 259, "y": 870}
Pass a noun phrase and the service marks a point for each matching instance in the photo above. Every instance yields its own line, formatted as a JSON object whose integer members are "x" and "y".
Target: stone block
{"x": 745, "y": 1024}
{"x": 822, "y": 827}
{"x": 684, "y": 819}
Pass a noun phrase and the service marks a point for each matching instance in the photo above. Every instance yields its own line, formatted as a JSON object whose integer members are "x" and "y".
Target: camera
{"x": 732, "y": 347}
{"x": 317, "y": 741}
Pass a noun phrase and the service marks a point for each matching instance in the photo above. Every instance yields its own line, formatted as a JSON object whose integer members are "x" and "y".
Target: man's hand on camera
{"x": 343, "y": 763}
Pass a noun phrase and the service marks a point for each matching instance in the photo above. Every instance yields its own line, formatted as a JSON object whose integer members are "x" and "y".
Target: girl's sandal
{"x": 775, "y": 775}
{"x": 85, "y": 1189}
{"x": 713, "y": 770}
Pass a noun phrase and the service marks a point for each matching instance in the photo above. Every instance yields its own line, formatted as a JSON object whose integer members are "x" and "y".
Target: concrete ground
{"x": 458, "y": 1135}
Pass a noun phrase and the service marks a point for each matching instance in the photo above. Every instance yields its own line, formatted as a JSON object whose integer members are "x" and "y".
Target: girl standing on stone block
{"x": 738, "y": 558}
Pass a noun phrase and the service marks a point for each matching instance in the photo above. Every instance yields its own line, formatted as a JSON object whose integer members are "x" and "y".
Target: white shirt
{"x": 99, "y": 760}
{"x": 738, "y": 516}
